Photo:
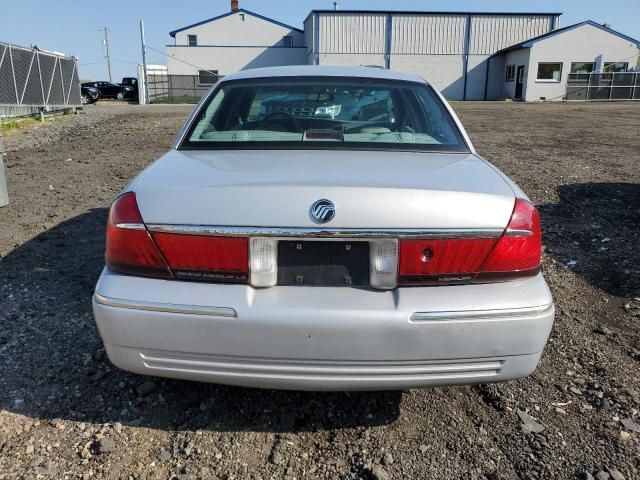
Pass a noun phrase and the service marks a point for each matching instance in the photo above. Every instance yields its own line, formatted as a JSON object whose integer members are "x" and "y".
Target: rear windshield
{"x": 323, "y": 113}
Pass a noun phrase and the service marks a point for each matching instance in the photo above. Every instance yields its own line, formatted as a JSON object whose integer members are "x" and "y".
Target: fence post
{"x": 4, "y": 194}
{"x": 613, "y": 76}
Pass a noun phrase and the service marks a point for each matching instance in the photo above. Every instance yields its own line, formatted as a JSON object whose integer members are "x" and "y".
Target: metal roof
{"x": 232, "y": 12}
{"x": 531, "y": 41}
{"x": 426, "y": 12}
{"x": 324, "y": 71}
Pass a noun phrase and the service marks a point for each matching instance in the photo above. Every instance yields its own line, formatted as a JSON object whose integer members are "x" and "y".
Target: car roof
{"x": 324, "y": 71}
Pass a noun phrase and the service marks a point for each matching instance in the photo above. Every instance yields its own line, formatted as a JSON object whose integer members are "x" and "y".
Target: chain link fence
{"x": 165, "y": 88}
{"x": 32, "y": 80}
{"x": 603, "y": 86}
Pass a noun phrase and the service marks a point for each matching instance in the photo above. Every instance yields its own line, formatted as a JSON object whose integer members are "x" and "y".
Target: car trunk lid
{"x": 370, "y": 189}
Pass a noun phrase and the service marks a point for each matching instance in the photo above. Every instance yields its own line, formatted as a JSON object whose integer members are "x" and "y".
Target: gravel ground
{"x": 65, "y": 412}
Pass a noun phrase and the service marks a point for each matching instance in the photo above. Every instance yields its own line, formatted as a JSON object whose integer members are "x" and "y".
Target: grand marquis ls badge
{"x": 323, "y": 211}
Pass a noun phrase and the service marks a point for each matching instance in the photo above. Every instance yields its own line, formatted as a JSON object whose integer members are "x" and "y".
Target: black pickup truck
{"x": 131, "y": 82}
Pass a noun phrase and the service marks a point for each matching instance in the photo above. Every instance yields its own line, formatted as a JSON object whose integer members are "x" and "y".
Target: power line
{"x": 124, "y": 61}
{"x": 182, "y": 61}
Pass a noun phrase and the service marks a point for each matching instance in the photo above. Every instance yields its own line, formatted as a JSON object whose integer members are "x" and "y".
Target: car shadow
{"x": 595, "y": 230}
{"x": 54, "y": 365}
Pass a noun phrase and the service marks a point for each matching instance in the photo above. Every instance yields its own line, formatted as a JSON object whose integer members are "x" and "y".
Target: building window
{"x": 549, "y": 72}
{"x": 583, "y": 67}
{"x": 510, "y": 73}
{"x": 287, "y": 42}
{"x": 193, "y": 40}
{"x": 615, "y": 67}
{"x": 207, "y": 77}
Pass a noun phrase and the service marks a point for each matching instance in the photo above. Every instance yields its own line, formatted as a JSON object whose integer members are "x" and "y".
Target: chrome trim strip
{"x": 324, "y": 232}
{"x": 131, "y": 226}
{"x": 351, "y": 378}
{"x": 165, "y": 307}
{"x": 172, "y": 360}
{"x": 517, "y": 233}
{"x": 472, "y": 315}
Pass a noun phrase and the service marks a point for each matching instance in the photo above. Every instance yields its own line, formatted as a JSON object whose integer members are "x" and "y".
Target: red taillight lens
{"x": 427, "y": 261}
{"x": 213, "y": 259}
{"x": 516, "y": 252}
{"x": 520, "y": 247}
{"x": 129, "y": 247}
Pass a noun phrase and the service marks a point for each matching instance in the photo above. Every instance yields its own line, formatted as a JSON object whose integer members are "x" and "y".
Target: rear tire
{"x": 85, "y": 99}
{"x": 120, "y": 96}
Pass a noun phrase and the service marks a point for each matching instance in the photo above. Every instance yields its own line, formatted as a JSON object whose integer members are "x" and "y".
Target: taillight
{"x": 516, "y": 252}
{"x": 440, "y": 260}
{"x": 211, "y": 259}
{"x": 520, "y": 247}
{"x": 132, "y": 249}
{"x": 129, "y": 247}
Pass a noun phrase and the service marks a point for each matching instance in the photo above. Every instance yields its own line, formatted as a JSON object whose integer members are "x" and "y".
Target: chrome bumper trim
{"x": 165, "y": 307}
{"x": 131, "y": 226}
{"x": 325, "y": 232}
{"x": 481, "y": 315}
{"x": 517, "y": 233}
{"x": 283, "y": 368}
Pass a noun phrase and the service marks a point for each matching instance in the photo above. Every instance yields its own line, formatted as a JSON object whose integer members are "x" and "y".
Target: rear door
{"x": 520, "y": 82}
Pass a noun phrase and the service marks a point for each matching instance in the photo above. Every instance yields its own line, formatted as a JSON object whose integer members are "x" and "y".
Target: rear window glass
{"x": 324, "y": 113}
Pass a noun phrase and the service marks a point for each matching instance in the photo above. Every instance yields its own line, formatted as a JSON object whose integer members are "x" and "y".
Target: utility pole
{"x": 144, "y": 64}
{"x": 106, "y": 43}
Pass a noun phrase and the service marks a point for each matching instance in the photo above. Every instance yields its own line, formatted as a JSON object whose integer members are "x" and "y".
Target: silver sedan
{"x": 324, "y": 228}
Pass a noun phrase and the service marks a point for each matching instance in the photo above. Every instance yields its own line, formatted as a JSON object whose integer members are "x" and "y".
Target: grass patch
{"x": 9, "y": 124}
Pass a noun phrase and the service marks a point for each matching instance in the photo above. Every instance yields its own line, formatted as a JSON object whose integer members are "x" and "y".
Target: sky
{"x": 73, "y": 26}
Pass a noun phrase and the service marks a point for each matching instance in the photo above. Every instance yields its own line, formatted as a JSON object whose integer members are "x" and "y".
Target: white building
{"x": 449, "y": 49}
{"x": 237, "y": 40}
{"x": 538, "y": 69}
{"x": 470, "y": 56}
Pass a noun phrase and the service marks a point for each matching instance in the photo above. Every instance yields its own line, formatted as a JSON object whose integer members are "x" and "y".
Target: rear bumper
{"x": 324, "y": 338}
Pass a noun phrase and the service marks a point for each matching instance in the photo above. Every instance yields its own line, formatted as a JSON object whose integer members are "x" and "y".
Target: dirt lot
{"x": 66, "y": 412}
